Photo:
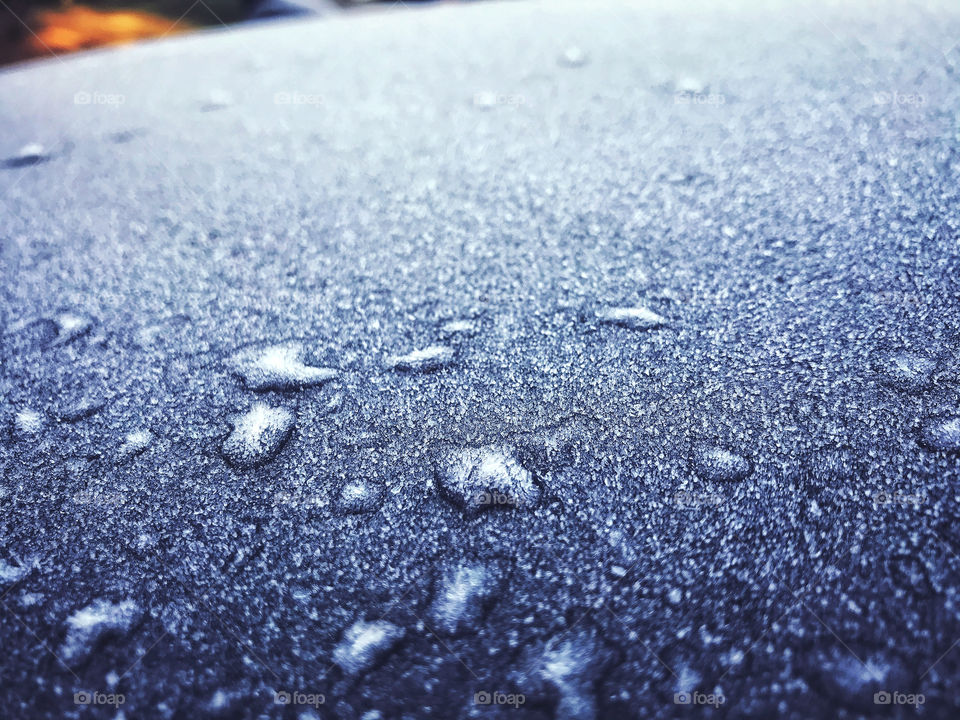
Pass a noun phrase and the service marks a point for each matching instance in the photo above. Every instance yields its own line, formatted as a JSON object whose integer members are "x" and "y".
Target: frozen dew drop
{"x": 428, "y": 359}
{"x": 135, "y": 442}
{"x": 485, "y": 478}
{"x": 70, "y": 326}
{"x": 364, "y": 643}
{"x": 258, "y": 435}
{"x": 462, "y": 593}
{"x": 278, "y": 367}
{"x": 941, "y": 433}
{"x": 715, "y": 463}
{"x": 29, "y": 154}
{"x": 86, "y": 626}
{"x": 82, "y": 407}
{"x": 906, "y": 370}
{"x": 635, "y": 318}
{"x": 573, "y": 57}
{"x": 458, "y": 328}
{"x": 359, "y": 496}
{"x": 27, "y": 422}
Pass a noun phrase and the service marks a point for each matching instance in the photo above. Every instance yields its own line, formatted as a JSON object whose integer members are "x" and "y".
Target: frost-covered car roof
{"x": 554, "y": 359}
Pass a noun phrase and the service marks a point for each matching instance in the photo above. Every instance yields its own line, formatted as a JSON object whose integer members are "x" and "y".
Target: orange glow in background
{"x": 77, "y": 27}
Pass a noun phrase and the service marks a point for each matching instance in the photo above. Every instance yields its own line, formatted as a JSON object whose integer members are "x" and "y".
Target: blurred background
{"x": 39, "y": 28}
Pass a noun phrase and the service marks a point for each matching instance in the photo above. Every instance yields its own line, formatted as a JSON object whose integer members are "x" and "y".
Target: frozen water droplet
{"x": 851, "y": 680}
{"x": 636, "y": 318}
{"x": 135, "y": 443}
{"x": 70, "y": 326}
{"x": 359, "y": 496}
{"x": 258, "y": 435}
{"x": 462, "y": 594}
{"x": 219, "y": 701}
{"x": 716, "y": 463}
{"x": 27, "y": 422}
{"x": 364, "y": 643}
{"x": 618, "y": 571}
{"x": 459, "y": 328}
{"x": 555, "y": 447}
{"x": 485, "y": 478}
{"x": 218, "y": 100}
{"x": 83, "y": 407}
{"x": 278, "y": 367}
{"x": 906, "y": 370}
{"x": 941, "y": 433}
{"x": 691, "y": 84}
{"x": 426, "y": 360}
{"x": 30, "y": 154}
{"x": 570, "y": 666}
{"x": 10, "y": 574}
{"x": 573, "y": 57}
{"x": 485, "y": 99}
{"x": 85, "y": 627}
